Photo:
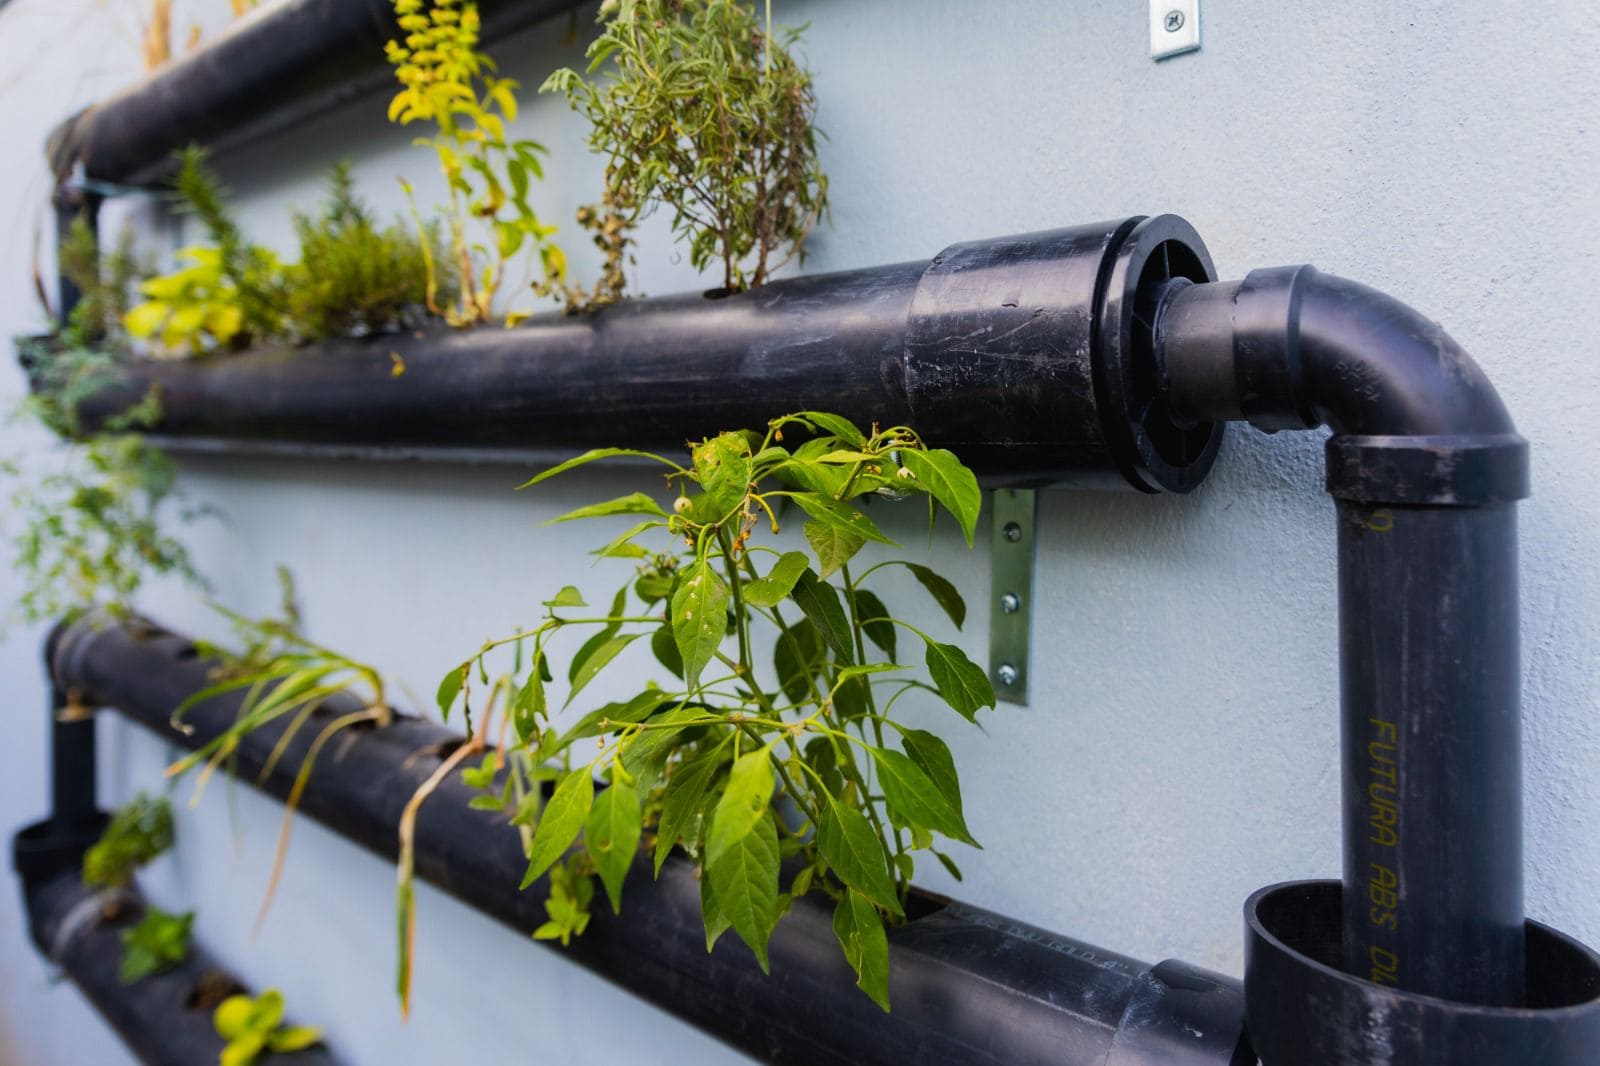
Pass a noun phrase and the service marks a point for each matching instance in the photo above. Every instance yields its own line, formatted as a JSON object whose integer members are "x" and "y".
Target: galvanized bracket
{"x": 1011, "y": 592}
{"x": 1174, "y": 27}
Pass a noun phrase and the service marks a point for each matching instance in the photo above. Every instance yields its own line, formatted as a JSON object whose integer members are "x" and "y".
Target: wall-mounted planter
{"x": 968, "y": 985}
{"x": 1029, "y": 356}
{"x": 165, "y": 1018}
{"x": 274, "y": 69}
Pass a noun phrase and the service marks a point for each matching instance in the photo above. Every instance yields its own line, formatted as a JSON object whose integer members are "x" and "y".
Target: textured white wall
{"x": 1180, "y": 750}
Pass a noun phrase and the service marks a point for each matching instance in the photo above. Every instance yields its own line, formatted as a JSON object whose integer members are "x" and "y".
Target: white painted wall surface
{"x": 1180, "y": 750}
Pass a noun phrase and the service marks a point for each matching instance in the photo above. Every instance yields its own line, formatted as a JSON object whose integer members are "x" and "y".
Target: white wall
{"x": 1180, "y": 750}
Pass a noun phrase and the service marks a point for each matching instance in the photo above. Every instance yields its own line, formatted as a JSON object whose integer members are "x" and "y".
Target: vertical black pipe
{"x": 1432, "y": 742}
{"x": 1425, "y": 467}
{"x": 73, "y": 800}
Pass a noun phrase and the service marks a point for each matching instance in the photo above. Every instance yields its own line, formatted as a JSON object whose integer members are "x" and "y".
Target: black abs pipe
{"x": 968, "y": 986}
{"x": 1425, "y": 467}
{"x": 1021, "y": 353}
{"x": 272, "y": 70}
{"x": 166, "y": 1018}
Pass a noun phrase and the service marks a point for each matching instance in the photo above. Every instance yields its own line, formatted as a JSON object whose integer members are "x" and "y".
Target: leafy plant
{"x": 253, "y": 1026}
{"x": 282, "y": 674}
{"x": 444, "y": 79}
{"x": 702, "y": 110}
{"x": 157, "y": 943}
{"x": 90, "y": 530}
{"x": 104, "y": 282}
{"x": 355, "y": 278}
{"x": 231, "y": 292}
{"x": 776, "y": 775}
{"x": 139, "y": 832}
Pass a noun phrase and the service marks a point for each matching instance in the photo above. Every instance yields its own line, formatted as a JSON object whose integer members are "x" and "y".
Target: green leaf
{"x": 837, "y": 425}
{"x": 711, "y": 916}
{"x": 914, "y": 796}
{"x": 852, "y": 848}
{"x": 600, "y": 636}
{"x": 666, "y": 650}
{"x": 591, "y": 456}
{"x": 647, "y": 753}
{"x": 743, "y": 804}
{"x": 611, "y": 836}
{"x": 745, "y": 877}
{"x": 686, "y": 788}
{"x": 850, "y": 672}
{"x": 840, "y": 516}
{"x": 943, "y": 592}
{"x": 860, "y": 931}
{"x": 292, "y": 1038}
{"x": 450, "y": 688}
{"x": 834, "y": 546}
{"x": 636, "y": 709}
{"x": 949, "y": 482}
{"x": 794, "y": 656}
{"x": 933, "y": 757}
{"x": 699, "y": 618}
{"x": 633, "y": 503}
{"x": 569, "y": 596}
{"x": 963, "y": 685}
{"x": 529, "y": 703}
{"x": 722, "y": 466}
{"x": 620, "y": 548}
{"x": 770, "y": 591}
{"x": 597, "y": 661}
{"x": 820, "y": 602}
{"x": 563, "y": 819}
{"x": 875, "y": 623}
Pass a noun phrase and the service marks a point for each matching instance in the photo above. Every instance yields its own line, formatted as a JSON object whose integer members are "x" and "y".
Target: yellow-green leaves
{"x": 254, "y": 1026}
{"x": 611, "y": 836}
{"x": 860, "y": 931}
{"x": 834, "y": 546}
{"x": 743, "y": 804}
{"x": 745, "y": 877}
{"x": 633, "y": 503}
{"x": 699, "y": 618}
{"x": 946, "y": 480}
{"x": 560, "y": 824}
{"x": 776, "y": 586}
{"x": 913, "y": 795}
{"x": 591, "y": 456}
{"x": 722, "y": 466}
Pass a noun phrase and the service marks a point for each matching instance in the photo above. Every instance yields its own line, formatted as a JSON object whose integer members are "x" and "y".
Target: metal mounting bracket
{"x": 1174, "y": 27}
{"x": 1011, "y": 592}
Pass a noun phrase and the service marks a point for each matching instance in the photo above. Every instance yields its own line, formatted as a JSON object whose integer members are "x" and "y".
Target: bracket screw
{"x": 1013, "y": 532}
{"x": 1174, "y": 21}
{"x": 1007, "y": 674}
{"x": 1011, "y": 603}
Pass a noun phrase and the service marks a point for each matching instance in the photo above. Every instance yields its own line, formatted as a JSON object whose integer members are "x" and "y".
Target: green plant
{"x": 252, "y": 1026}
{"x": 354, "y": 278}
{"x": 231, "y": 293}
{"x": 140, "y": 831}
{"x": 157, "y": 943}
{"x": 104, "y": 282}
{"x": 444, "y": 79}
{"x": 702, "y": 110}
{"x": 741, "y": 760}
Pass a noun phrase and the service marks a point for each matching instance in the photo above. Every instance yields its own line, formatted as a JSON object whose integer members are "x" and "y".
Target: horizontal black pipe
{"x": 165, "y": 1019}
{"x": 1026, "y": 355}
{"x": 272, "y": 70}
{"x": 967, "y": 985}
{"x": 1425, "y": 467}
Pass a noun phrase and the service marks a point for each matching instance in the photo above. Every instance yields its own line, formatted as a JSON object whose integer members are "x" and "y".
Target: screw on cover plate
{"x": 1174, "y": 21}
{"x": 1011, "y": 603}
{"x": 1007, "y": 674}
{"x": 1013, "y": 532}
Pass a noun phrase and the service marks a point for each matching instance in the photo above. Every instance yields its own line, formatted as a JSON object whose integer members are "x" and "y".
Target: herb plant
{"x": 157, "y": 943}
{"x": 253, "y": 1026}
{"x": 702, "y": 108}
{"x": 778, "y": 775}
{"x": 137, "y": 834}
{"x": 355, "y": 278}
{"x": 444, "y": 79}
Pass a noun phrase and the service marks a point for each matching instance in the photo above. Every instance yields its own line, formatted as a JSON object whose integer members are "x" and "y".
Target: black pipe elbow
{"x": 1415, "y": 420}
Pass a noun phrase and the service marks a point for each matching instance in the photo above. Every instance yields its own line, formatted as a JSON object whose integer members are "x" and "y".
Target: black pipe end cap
{"x": 44, "y": 851}
{"x": 1302, "y": 1009}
